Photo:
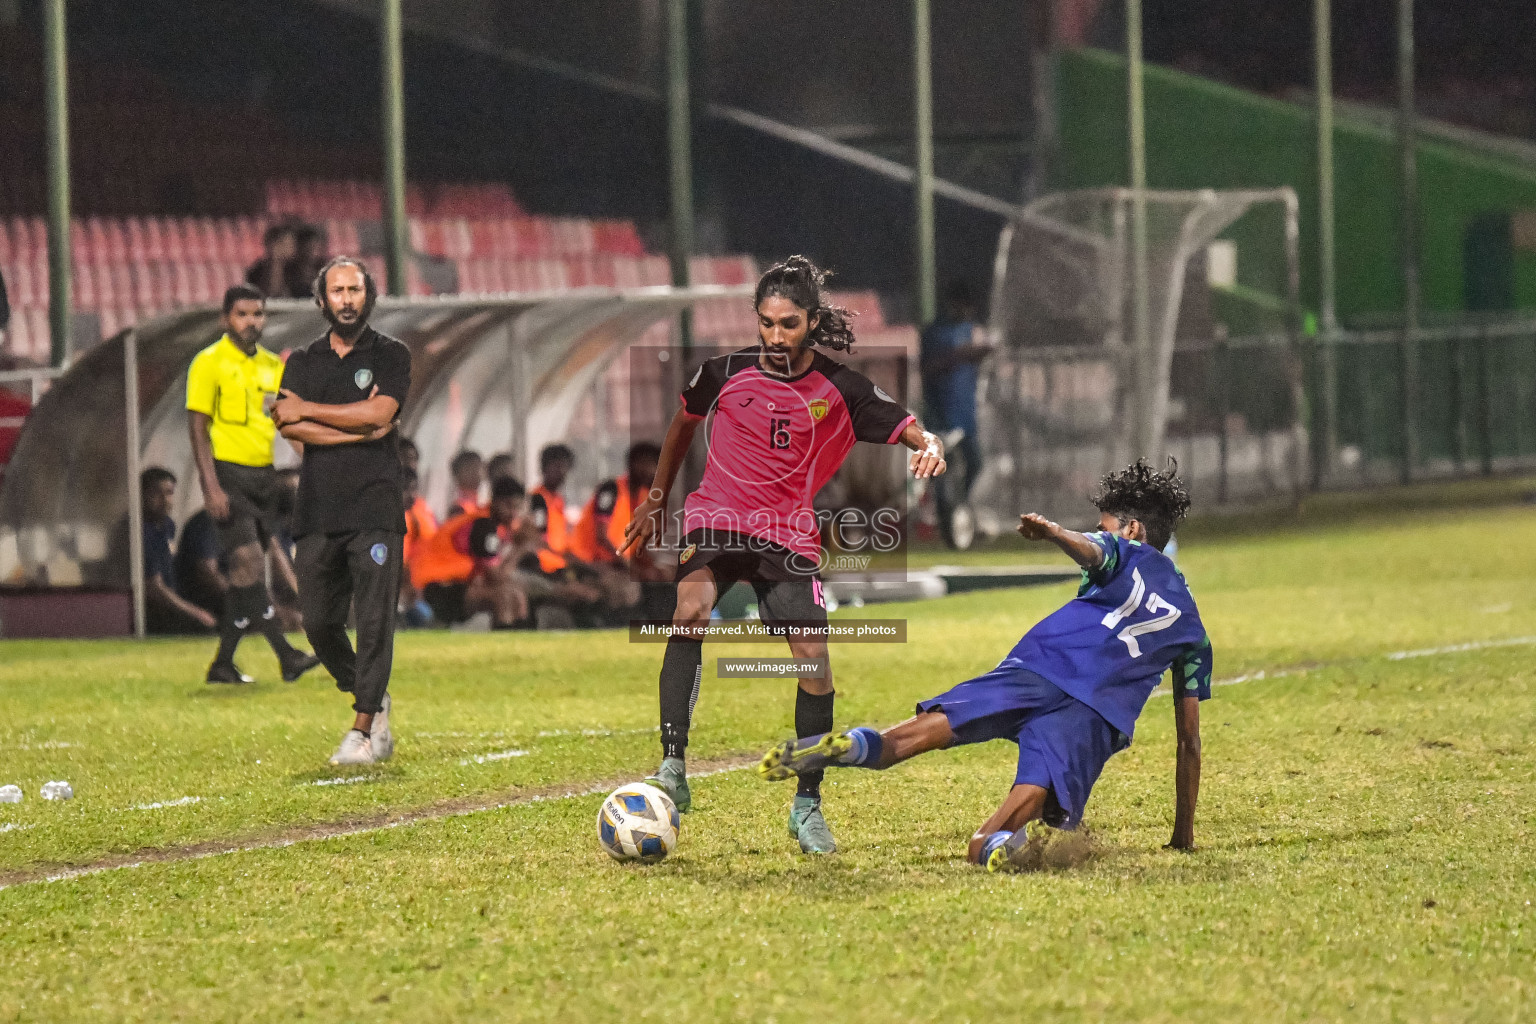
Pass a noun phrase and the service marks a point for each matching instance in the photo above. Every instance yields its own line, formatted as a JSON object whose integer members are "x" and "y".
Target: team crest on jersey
{"x": 362, "y": 378}
{"x": 688, "y": 552}
{"x": 378, "y": 553}
{"x": 818, "y": 407}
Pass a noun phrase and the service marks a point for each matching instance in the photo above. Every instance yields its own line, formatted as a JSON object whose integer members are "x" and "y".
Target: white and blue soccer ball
{"x": 638, "y": 822}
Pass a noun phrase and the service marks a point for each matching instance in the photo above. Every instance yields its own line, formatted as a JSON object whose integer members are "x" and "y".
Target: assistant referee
{"x": 228, "y": 386}
{"x": 341, "y": 398}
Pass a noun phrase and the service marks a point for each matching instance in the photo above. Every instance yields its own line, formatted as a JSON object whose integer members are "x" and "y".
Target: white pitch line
{"x": 182, "y": 802}
{"x": 11, "y": 826}
{"x": 1481, "y": 645}
{"x": 499, "y": 755}
{"x": 64, "y": 876}
{"x": 549, "y": 733}
{"x": 344, "y": 780}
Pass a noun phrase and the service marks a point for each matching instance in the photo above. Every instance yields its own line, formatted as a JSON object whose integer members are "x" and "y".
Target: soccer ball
{"x": 638, "y": 822}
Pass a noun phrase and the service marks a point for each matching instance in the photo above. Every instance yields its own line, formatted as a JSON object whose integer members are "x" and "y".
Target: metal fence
{"x": 1265, "y": 418}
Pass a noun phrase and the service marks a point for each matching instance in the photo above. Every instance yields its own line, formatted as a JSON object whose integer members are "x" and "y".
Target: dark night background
{"x": 304, "y": 76}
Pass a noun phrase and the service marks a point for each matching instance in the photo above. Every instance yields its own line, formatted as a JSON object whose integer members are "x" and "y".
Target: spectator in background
{"x": 5, "y": 308}
{"x": 548, "y": 507}
{"x": 501, "y": 464}
{"x": 602, "y": 583}
{"x": 166, "y": 611}
{"x": 201, "y": 569}
{"x": 468, "y": 566}
{"x": 410, "y": 455}
{"x": 468, "y": 473}
{"x": 420, "y": 526}
{"x": 952, "y": 350}
{"x": 270, "y": 273}
{"x": 310, "y": 254}
{"x": 420, "y": 523}
{"x": 599, "y": 533}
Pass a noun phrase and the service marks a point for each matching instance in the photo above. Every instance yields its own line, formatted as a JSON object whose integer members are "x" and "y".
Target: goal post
{"x": 1069, "y": 395}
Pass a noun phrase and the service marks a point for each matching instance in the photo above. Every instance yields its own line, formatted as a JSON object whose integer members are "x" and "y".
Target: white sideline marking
{"x": 167, "y": 803}
{"x": 1482, "y": 645}
{"x": 344, "y": 780}
{"x": 11, "y": 826}
{"x": 64, "y": 876}
{"x": 500, "y": 755}
{"x": 549, "y": 733}
{"x": 46, "y": 745}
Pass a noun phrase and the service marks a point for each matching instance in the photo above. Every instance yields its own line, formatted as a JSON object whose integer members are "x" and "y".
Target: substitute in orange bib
{"x": 599, "y": 533}
{"x": 547, "y": 507}
{"x": 610, "y": 587}
{"x": 467, "y": 566}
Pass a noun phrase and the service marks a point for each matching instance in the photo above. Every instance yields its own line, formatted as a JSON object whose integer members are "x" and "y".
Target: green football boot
{"x": 796, "y": 757}
{"x": 807, "y": 825}
{"x": 672, "y": 779}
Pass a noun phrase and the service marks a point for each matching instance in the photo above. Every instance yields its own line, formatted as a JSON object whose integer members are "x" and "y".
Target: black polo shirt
{"x": 354, "y": 486}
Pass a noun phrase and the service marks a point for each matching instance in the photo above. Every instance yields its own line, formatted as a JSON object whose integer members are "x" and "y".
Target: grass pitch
{"x": 1365, "y": 821}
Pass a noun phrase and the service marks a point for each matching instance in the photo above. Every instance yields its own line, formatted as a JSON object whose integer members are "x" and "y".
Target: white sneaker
{"x": 381, "y": 739}
{"x": 355, "y": 749}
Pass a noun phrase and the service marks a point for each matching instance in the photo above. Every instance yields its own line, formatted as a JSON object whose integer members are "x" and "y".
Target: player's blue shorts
{"x": 1063, "y": 743}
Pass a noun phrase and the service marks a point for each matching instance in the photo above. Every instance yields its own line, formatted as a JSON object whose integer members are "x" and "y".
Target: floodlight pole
{"x": 56, "y": 103}
{"x": 922, "y": 132}
{"x": 680, "y": 157}
{"x": 392, "y": 68}
{"x": 1326, "y": 445}
{"x": 1408, "y": 207}
{"x": 1141, "y": 360}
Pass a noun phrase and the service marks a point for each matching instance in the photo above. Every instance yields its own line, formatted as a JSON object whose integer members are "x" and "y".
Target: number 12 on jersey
{"x": 1155, "y": 604}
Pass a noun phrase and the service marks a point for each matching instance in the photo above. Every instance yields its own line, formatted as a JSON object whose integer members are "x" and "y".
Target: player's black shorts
{"x": 446, "y": 601}
{"x": 255, "y": 504}
{"x": 789, "y": 590}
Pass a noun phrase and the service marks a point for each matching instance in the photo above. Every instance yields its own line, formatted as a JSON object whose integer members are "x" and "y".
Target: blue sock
{"x": 994, "y": 840}
{"x": 867, "y": 747}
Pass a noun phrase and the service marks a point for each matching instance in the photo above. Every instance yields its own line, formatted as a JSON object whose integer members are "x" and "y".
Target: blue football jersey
{"x": 1132, "y": 620}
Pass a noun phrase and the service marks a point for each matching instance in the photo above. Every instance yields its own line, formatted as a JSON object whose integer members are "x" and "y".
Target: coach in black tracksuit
{"x": 341, "y": 398}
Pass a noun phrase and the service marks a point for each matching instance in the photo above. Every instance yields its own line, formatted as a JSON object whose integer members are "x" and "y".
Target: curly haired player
{"x": 1070, "y": 691}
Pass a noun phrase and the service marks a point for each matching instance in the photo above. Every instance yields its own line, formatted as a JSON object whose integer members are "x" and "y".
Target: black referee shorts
{"x": 789, "y": 590}
{"x": 255, "y": 504}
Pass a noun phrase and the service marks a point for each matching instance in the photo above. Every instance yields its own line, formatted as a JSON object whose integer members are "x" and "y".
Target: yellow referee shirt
{"x": 231, "y": 388}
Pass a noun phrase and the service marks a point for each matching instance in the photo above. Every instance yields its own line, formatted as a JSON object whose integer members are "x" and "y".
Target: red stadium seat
{"x": 18, "y": 337}
{"x": 867, "y": 305}
{"x": 83, "y": 292}
{"x": 41, "y": 342}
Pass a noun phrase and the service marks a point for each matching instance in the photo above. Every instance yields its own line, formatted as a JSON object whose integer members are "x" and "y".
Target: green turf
{"x": 1365, "y": 824}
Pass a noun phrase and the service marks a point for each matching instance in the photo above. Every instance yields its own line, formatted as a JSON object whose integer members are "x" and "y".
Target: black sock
{"x": 272, "y": 628}
{"x": 681, "y": 671}
{"x": 229, "y": 636}
{"x": 813, "y": 716}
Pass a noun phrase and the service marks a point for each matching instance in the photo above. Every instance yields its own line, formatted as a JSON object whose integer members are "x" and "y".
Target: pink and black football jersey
{"x": 774, "y": 441}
